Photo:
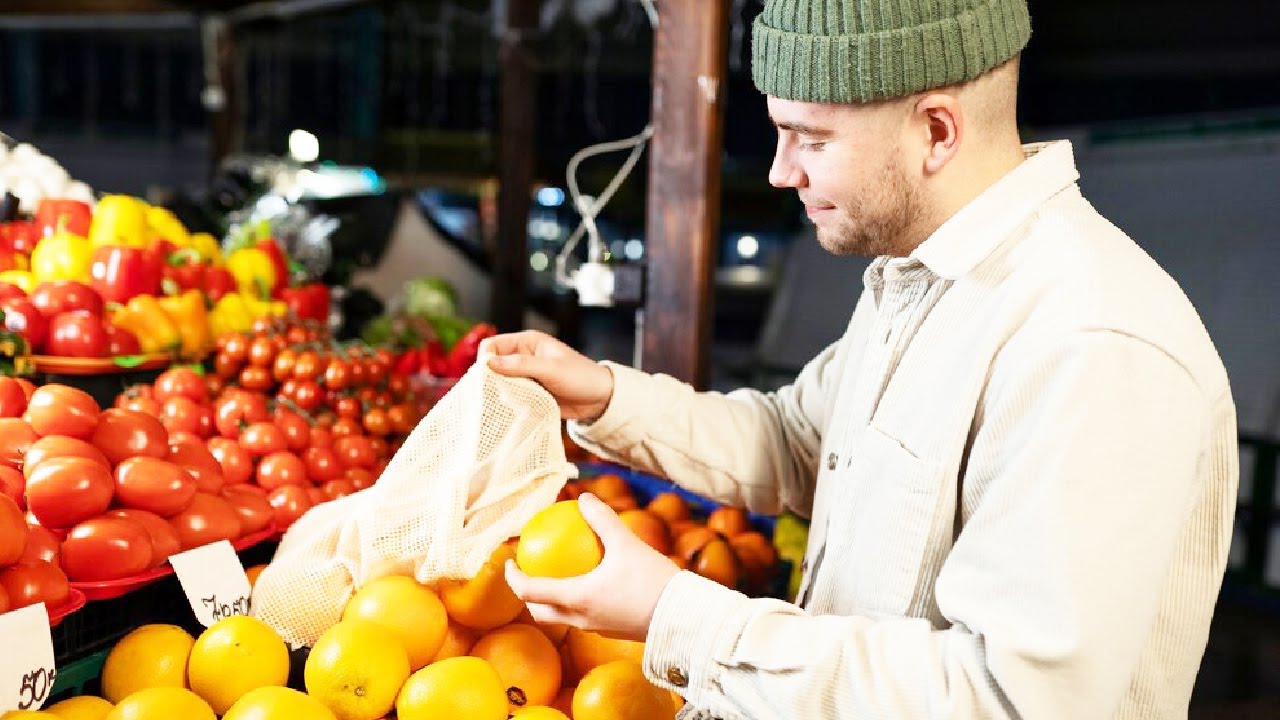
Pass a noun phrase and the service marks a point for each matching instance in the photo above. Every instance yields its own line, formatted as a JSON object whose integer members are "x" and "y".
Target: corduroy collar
{"x": 973, "y": 233}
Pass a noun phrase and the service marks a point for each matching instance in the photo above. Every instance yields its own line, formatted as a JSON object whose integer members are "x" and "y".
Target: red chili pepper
{"x": 434, "y": 359}
{"x": 122, "y": 273}
{"x": 408, "y": 363}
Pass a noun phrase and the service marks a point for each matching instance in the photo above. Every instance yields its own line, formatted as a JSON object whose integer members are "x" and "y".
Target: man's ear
{"x": 942, "y": 121}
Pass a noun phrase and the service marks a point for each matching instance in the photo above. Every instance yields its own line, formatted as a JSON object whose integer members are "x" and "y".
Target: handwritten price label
{"x": 27, "y": 672}
{"x": 214, "y": 581}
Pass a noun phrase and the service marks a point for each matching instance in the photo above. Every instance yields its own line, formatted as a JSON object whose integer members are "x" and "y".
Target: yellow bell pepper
{"x": 120, "y": 220}
{"x": 145, "y": 318}
{"x": 230, "y": 315}
{"x": 167, "y": 226}
{"x": 62, "y": 256}
{"x": 253, "y": 271}
{"x": 188, "y": 312}
{"x": 208, "y": 248}
{"x": 263, "y": 308}
{"x": 21, "y": 278}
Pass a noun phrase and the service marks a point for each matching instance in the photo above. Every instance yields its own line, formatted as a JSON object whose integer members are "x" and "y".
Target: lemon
{"x": 162, "y": 702}
{"x": 356, "y": 669}
{"x": 85, "y": 707}
{"x": 460, "y": 687}
{"x": 234, "y": 656}
{"x": 410, "y": 611}
{"x": 151, "y": 656}
{"x": 539, "y": 712}
{"x": 28, "y": 715}
{"x": 277, "y": 703}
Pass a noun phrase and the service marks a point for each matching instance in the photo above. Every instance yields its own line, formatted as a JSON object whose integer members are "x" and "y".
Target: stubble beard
{"x": 878, "y": 223}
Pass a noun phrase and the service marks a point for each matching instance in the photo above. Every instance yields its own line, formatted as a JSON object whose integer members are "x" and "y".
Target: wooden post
{"x": 683, "y": 213}
{"x": 219, "y": 95}
{"x": 517, "y": 98}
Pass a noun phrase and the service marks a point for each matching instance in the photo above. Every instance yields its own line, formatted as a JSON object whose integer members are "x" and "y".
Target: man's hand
{"x": 581, "y": 386}
{"x": 617, "y": 598}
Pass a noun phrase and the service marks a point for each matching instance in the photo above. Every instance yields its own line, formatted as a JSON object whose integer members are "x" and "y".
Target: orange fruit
{"x": 557, "y": 542}
{"x": 356, "y": 669}
{"x": 716, "y": 561}
{"x": 679, "y": 561}
{"x": 526, "y": 661}
{"x": 410, "y": 611}
{"x": 622, "y": 504}
{"x": 161, "y": 702}
{"x": 757, "y": 555}
{"x": 587, "y": 651}
{"x": 538, "y": 712}
{"x": 81, "y": 707}
{"x": 608, "y": 486}
{"x": 620, "y": 691}
{"x": 150, "y": 656}
{"x": 458, "y": 640}
{"x": 234, "y": 656}
{"x": 728, "y": 521}
{"x": 681, "y": 527}
{"x": 485, "y": 601}
{"x": 677, "y": 700}
{"x": 278, "y": 703}
{"x": 564, "y": 700}
{"x": 460, "y": 687}
{"x": 691, "y": 541}
{"x": 648, "y": 527}
{"x": 670, "y": 507}
{"x": 555, "y": 632}
{"x": 253, "y": 573}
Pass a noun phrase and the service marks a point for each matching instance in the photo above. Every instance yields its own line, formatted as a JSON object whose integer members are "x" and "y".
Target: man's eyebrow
{"x": 803, "y": 129}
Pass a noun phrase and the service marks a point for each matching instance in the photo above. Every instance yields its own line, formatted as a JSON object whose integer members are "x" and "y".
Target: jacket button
{"x": 832, "y": 460}
{"x": 676, "y": 677}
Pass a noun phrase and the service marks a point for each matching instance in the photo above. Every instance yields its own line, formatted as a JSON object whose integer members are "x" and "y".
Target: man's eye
{"x": 812, "y": 145}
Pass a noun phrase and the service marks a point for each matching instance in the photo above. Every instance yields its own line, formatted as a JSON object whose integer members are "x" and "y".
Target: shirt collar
{"x": 973, "y": 233}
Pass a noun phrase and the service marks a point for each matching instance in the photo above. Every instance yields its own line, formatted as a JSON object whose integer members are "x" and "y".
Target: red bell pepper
{"x": 463, "y": 355}
{"x": 408, "y": 363}
{"x": 433, "y": 359}
{"x": 19, "y": 236}
{"x": 73, "y": 214}
{"x": 218, "y": 282}
{"x": 183, "y": 271}
{"x": 122, "y": 273}
{"x": 278, "y": 262}
{"x": 307, "y": 302}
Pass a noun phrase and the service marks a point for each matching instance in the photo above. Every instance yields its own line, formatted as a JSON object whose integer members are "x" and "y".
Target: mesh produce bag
{"x": 478, "y": 466}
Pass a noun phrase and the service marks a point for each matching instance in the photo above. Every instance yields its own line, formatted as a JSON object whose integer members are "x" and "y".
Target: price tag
{"x": 26, "y": 664}
{"x": 214, "y": 581}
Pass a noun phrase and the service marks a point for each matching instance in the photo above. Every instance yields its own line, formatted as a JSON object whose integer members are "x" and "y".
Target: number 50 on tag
{"x": 26, "y": 664}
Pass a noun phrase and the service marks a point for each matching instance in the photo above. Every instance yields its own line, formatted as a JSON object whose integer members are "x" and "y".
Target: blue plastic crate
{"x": 646, "y": 487}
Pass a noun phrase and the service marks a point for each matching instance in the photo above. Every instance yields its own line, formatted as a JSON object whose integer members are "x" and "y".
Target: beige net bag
{"x": 483, "y": 461}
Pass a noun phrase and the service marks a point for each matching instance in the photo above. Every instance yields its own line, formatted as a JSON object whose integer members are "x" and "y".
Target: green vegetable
{"x": 430, "y": 296}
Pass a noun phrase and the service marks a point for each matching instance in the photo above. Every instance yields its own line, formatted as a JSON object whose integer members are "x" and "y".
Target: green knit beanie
{"x": 857, "y": 51}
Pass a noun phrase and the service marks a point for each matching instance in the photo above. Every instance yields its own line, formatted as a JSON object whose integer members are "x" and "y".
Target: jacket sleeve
{"x": 747, "y": 448}
{"x": 1086, "y": 469}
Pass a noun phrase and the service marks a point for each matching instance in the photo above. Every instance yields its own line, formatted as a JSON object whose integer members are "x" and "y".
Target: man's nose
{"x": 784, "y": 173}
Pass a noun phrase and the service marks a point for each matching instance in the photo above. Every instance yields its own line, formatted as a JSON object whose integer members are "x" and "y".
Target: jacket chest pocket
{"x": 882, "y": 519}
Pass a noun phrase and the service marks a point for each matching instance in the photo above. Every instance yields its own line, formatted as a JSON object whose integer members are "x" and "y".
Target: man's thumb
{"x": 602, "y": 519}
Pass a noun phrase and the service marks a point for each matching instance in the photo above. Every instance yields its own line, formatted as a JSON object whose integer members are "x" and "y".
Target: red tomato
{"x": 317, "y": 496}
{"x": 16, "y": 438}
{"x": 297, "y": 432}
{"x": 236, "y": 347}
{"x": 208, "y": 519}
{"x": 181, "y": 382}
{"x": 347, "y": 407}
{"x": 338, "y": 488}
{"x": 281, "y": 468}
{"x": 401, "y": 418}
{"x": 13, "y": 486}
{"x": 360, "y": 478}
{"x": 251, "y": 506}
{"x": 320, "y": 437}
{"x": 8, "y": 290}
{"x": 238, "y": 409}
{"x": 143, "y": 405}
{"x": 355, "y": 451}
{"x": 237, "y": 465}
{"x": 182, "y": 436}
{"x": 106, "y": 548}
{"x": 261, "y": 439}
{"x": 256, "y": 378}
{"x": 13, "y": 401}
{"x": 346, "y": 427}
{"x": 77, "y": 334}
{"x": 307, "y": 395}
{"x": 199, "y": 463}
{"x": 377, "y": 423}
{"x": 13, "y": 531}
{"x": 380, "y": 447}
{"x": 282, "y": 368}
{"x": 121, "y": 342}
{"x": 155, "y": 485}
{"x": 124, "y": 434}
{"x": 62, "y": 410}
{"x": 42, "y": 545}
{"x": 289, "y": 503}
{"x": 262, "y": 353}
{"x": 215, "y": 385}
{"x": 24, "y": 318}
{"x": 28, "y": 387}
{"x": 183, "y": 414}
{"x": 322, "y": 464}
{"x": 54, "y": 298}
{"x": 164, "y": 538}
{"x": 308, "y": 366}
{"x": 57, "y": 446}
{"x": 30, "y": 583}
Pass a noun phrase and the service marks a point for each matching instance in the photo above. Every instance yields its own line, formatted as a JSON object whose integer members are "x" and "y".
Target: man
{"x": 1019, "y": 460}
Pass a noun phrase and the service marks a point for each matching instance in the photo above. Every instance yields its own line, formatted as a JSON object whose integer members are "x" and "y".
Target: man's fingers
{"x": 544, "y": 591}
{"x": 525, "y": 366}
{"x": 552, "y": 614}
{"x": 525, "y": 342}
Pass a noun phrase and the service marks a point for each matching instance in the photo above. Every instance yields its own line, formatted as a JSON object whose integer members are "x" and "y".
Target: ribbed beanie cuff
{"x": 857, "y": 51}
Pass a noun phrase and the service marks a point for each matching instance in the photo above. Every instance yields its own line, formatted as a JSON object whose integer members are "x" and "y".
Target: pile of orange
{"x": 723, "y": 547}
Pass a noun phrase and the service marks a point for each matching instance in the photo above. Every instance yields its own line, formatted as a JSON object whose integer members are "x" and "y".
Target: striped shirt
{"x": 1020, "y": 464}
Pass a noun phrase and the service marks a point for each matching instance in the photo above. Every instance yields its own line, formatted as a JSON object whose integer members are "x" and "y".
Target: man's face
{"x": 846, "y": 164}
